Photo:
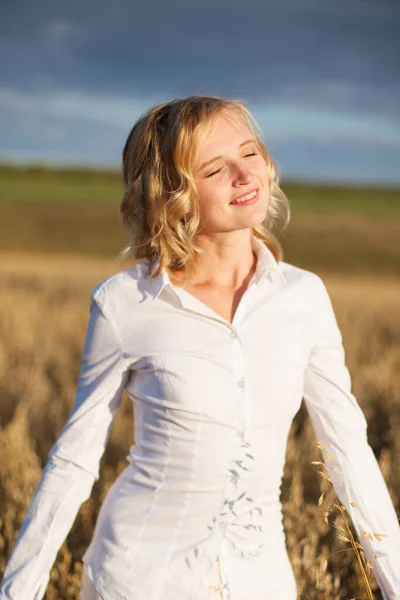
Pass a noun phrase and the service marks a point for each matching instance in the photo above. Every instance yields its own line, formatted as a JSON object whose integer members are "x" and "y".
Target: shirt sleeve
{"x": 341, "y": 426}
{"x": 73, "y": 463}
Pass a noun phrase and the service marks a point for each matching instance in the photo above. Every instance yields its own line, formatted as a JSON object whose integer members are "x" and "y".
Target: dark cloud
{"x": 258, "y": 49}
{"x": 320, "y": 56}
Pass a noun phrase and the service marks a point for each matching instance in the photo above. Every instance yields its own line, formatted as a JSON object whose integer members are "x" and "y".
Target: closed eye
{"x": 218, "y": 170}
{"x": 214, "y": 173}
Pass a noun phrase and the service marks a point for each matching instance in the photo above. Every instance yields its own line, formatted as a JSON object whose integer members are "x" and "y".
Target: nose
{"x": 242, "y": 175}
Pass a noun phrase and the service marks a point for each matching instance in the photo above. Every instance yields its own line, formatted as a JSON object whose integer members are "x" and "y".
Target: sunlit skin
{"x": 226, "y": 229}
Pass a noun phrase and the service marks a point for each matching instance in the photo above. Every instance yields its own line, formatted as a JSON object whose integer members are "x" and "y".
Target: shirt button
{"x": 240, "y": 435}
{"x": 234, "y": 480}
{"x": 240, "y": 383}
{"x": 233, "y": 334}
{"x": 223, "y": 526}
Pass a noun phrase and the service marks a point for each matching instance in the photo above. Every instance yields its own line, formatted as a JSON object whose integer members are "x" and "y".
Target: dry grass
{"x": 318, "y": 241}
{"x": 43, "y": 318}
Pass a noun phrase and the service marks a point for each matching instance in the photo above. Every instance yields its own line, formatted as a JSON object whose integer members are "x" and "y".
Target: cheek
{"x": 210, "y": 196}
{"x": 267, "y": 186}
{"x": 263, "y": 174}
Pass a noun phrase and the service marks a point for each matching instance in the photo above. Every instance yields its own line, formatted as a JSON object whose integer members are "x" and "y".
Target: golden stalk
{"x": 346, "y": 534}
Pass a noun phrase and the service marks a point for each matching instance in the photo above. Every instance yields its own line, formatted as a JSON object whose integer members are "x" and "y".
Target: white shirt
{"x": 213, "y": 404}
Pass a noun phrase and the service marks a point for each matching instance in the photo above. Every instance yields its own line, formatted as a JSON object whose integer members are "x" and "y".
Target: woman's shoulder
{"x": 131, "y": 284}
{"x": 295, "y": 275}
{"x": 305, "y": 288}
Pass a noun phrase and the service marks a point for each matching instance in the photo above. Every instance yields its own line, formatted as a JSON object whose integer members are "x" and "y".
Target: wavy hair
{"x": 160, "y": 206}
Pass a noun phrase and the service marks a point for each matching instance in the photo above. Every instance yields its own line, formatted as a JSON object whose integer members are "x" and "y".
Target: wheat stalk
{"x": 344, "y": 533}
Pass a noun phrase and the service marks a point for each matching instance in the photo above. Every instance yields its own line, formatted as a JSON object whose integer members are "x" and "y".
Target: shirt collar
{"x": 267, "y": 266}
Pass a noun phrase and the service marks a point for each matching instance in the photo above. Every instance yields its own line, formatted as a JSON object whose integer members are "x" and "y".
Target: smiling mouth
{"x": 246, "y": 198}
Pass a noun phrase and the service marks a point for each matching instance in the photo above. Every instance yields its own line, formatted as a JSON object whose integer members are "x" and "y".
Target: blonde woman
{"x": 216, "y": 340}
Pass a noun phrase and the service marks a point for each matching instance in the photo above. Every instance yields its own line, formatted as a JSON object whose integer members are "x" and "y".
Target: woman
{"x": 216, "y": 341}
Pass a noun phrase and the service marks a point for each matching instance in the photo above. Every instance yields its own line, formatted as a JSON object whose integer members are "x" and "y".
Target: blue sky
{"x": 322, "y": 77}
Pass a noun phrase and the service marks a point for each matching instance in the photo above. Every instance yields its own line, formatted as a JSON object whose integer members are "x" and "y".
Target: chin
{"x": 258, "y": 216}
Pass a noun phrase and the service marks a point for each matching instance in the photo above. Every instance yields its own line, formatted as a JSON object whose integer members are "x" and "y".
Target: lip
{"x": 245, "y": 194}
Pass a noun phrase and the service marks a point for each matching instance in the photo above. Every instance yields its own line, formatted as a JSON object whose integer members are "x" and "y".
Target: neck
{"x": 227, "y": 261}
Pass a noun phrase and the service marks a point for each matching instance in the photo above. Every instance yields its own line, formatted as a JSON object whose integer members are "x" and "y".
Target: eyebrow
{"x": 208, "y": 162}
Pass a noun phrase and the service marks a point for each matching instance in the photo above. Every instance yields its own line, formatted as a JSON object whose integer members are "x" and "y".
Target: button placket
{"x": 242, "y": 400}
{"x": 239, "y": 368}
{"x": 233, "y": 491}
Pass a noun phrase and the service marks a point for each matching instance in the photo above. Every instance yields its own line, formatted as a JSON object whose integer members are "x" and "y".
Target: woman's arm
{"x": 340, "y": 424}
{"x": 73, "y": 464}
{"x": 61, "y": 490}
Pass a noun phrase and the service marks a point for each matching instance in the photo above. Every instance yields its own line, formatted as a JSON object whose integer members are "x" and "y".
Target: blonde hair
{"x": 160, "y": 205}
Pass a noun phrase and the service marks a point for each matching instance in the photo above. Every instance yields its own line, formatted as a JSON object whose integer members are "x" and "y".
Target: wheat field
{"x": 43, "y": 316}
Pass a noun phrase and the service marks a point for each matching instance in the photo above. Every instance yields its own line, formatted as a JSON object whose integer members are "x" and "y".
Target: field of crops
{"x": 51, "y": 256}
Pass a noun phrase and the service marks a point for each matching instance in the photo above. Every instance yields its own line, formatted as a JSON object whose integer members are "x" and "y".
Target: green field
{"x": 34, "y": 184}
{"x": 336, "y": 229}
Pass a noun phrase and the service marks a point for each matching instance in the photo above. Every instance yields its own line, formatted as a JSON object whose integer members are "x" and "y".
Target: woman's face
{"x": 229, "y": 167}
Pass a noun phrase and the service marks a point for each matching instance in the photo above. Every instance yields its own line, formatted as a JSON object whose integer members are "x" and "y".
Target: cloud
{"x": 258, "y": 51}
{"x": 101, "y": 108}
{"x": 291, "y": 121}
{"x": 80, "y": 127}
{"x": 278, "y": 120}
{"x": 317, "y": 74}
{"x": 337, "y": 161}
